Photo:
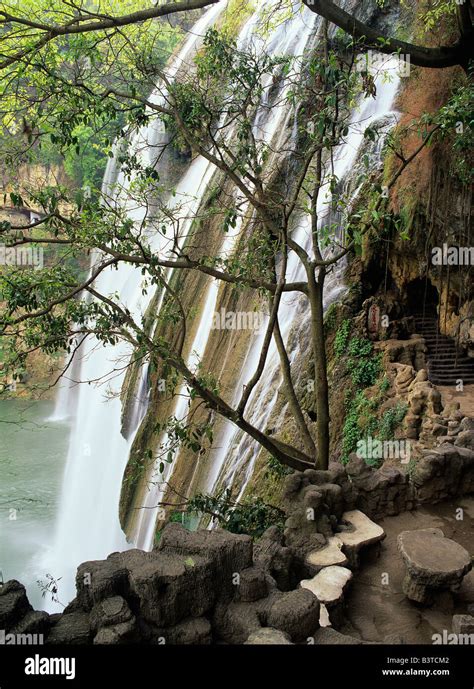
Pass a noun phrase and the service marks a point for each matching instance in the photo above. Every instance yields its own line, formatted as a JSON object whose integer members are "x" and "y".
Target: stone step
{"x": 329, "y": 584}
{"x": 449, "y": 368}
{"x": 331, "y": 554}
{"x": 456, "y": 363}
{"x": 467, "y": 380}
{"x": 434, "y": 337}
{"x": 448, "y": 355}
{"x": 433, "y": 334}
{"x": 444, "y": 349}
{"x": 439, "y": 338}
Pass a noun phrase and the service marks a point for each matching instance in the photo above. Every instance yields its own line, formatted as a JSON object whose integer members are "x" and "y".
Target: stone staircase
{"x": 446, "y": 364}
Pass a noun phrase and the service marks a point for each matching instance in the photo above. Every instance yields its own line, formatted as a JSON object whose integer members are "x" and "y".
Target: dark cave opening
{"x": 422, "y": 297}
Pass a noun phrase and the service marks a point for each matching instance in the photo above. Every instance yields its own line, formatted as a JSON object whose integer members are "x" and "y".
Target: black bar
{"x": 221, "y": 666}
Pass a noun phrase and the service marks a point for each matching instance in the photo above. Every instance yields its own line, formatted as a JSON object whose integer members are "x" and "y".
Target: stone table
{"x": 433, "y": 563}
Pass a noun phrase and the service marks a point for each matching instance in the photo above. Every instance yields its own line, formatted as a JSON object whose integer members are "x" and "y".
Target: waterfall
{"x": 235, "y": 455}
{"x": 289, "y": 38}
{"x": 87, "y": 521}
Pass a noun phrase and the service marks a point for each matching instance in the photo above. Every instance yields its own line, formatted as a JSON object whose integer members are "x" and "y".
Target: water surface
{"x": 32, "y": 456}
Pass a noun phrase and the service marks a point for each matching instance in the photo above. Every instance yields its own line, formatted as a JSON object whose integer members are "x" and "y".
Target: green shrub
{"x": 363, "y": 365}
{"x": 252, "y": 516}
{"x": 391, "y": 419}
{"x": 361, "y": 420}
{"x": 342, "y": 336}
{"x": 277, "y": 468}
{"x": 364, "y": 372}
{"x": 359, "y": 347}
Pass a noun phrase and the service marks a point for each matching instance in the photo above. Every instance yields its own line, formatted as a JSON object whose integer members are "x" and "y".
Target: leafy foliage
{"x": 391, "y": 419}
{"x": 276, "y": 468}
{"x": 341, "y": 338}
{"x": 253, "y": 516}
{"x": 364, "y": 366}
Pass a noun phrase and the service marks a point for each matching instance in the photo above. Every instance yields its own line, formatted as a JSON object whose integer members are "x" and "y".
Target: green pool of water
{"x": 32, "y": 458}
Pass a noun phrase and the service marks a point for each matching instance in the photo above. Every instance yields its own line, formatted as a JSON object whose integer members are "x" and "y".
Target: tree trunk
{"x": 315, "y": 289}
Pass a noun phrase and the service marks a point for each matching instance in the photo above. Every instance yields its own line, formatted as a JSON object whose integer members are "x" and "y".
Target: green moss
{"x": 330, "y": 318}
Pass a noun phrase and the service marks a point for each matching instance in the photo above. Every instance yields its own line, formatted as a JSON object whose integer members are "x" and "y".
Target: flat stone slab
{"x": 328, "y": 586}
{"x": 331, "y": 554}
{"x": 361, "y": 532}
{"x": 365, "y": 531}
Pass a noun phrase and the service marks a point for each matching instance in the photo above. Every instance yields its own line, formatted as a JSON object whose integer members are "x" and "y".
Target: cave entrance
{"x": 422, "y": 297}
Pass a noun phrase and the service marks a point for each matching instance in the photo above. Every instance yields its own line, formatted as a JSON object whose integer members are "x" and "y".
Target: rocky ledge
{"x": 207, "y": 587}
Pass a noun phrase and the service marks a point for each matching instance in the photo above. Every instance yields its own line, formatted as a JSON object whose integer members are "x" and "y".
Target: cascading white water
{"x": 237, "y": 453}
{"x": 289, "y": 39}
{"x": 87, "y": 522}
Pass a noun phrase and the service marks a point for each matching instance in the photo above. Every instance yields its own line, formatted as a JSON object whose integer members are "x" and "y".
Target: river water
{"x": 32, "y": 456}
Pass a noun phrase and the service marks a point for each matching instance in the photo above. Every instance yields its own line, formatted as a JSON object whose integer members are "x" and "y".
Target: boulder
{"x": 274, "y": 557}
{"x": 379, "y": 492}
{"x": 328, "y": 636}
{"x": 234, "y": 623}
{"x": 14, "y": 604}
{"x": 192, "y": 631}
{"x": 296, "y": 613}
{"x": 267, "y": 636}
{"x": 465, "y": 439}
{"x": 99, "y": 579}
{"x": 463, "y": 624}
{"x": 122, "y": 633}
{"x": 466, "y": 590}
{"x": 172, "y": 586}
{"x": 253, "y": 584}
{"x": 444, "y": 472}
{"x": 72, "y": 629}
{"x": 109, "y": 612}
{"x": 230, "y": 552}
{"x": 34, "y": 622}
